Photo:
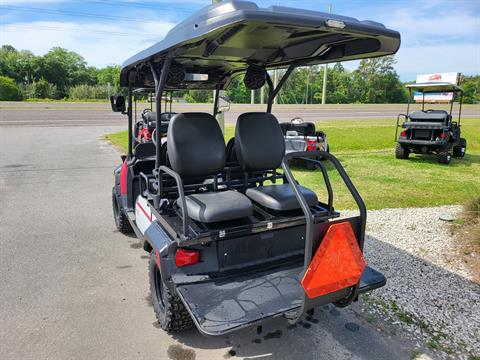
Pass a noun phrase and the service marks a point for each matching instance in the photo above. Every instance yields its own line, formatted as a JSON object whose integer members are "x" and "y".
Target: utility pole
{"x": 325, "y": 69}
{"x": 252, "y": 97}
{"x": 306, "y": 90}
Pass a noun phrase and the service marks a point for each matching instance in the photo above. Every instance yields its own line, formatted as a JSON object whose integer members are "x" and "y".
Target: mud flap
{"x": 223, "y": 306}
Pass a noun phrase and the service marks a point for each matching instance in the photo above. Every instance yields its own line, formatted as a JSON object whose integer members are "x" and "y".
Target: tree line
{"x": 64, "y": 74}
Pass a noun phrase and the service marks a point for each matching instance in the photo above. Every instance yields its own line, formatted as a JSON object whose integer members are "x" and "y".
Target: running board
{"x": 221, "y": 306}
{"x": 131, "y": 219}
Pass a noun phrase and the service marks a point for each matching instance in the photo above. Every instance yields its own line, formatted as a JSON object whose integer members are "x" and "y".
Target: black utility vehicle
{"x": 233, "y": 238}
{"x": 431, "y": 131}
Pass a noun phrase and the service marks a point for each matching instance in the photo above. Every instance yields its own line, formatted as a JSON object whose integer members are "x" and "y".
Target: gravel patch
{"x": 427, "y": 294}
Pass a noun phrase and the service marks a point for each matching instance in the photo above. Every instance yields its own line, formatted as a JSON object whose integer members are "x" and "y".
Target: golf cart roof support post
{"x": 135, "y": 109}
{"x": 129, "y": 115}
{"x": 282, "y": 81}
{"x": 215, "y": 101}
{"x": 159, "y": 86}
{"x": 460, "y": 108}
{"x": 270, "y": 92}
{"x": 451, "y": 105}
{"x": 409, "y": 99}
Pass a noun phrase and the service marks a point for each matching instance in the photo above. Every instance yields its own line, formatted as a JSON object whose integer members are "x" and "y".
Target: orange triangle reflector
{"x": 337, "y": 264}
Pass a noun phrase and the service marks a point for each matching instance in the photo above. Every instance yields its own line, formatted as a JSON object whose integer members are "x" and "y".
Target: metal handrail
{"x": 396, "y": 128}
{"x": 181, "y": 196}
{"x": 309, "y": 218}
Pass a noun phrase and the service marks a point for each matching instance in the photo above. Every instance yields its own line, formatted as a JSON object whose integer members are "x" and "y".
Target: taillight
{"x": 403, "y": 134}
{"x": 443, "y": 136}
{"x": 185, "y": 257}
{"x": 311, "y": 145}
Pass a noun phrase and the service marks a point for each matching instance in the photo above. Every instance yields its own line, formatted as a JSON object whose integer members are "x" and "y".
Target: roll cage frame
{"x": 162, "y": 170}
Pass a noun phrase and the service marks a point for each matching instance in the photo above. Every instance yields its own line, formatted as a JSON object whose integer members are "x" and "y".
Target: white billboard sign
{"x": 451, "y": 78}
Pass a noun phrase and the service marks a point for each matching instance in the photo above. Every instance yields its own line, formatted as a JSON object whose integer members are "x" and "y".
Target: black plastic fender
{"x": 164, "y": 248}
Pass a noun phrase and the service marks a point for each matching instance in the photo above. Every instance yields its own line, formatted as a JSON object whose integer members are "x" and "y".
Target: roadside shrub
{"x": 9, "y": 91}
{"x": 86, "y": 92}
{"x": 41, "y": 89}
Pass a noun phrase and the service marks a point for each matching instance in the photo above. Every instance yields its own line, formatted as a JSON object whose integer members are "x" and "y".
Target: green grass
{"x": 366, "y": 150}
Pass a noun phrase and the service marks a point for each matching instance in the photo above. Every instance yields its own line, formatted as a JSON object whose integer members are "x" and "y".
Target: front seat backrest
{"x": 195, "y": 145}
{"x": 259, "y": 141}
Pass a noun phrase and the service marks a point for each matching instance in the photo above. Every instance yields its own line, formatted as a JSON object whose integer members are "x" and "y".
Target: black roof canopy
{"x": 223, "y": 39}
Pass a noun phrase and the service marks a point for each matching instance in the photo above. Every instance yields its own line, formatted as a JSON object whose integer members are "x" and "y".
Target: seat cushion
{"x": 218, "y": 206}
{"x": 280, "y": 197}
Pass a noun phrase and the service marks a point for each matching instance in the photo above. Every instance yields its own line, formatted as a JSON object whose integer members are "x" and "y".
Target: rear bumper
{"x": 222, "y": 306}
{"x": 436, "y": 143}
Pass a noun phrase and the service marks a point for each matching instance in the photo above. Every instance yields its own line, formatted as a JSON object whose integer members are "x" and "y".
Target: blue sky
{"x": 437, "y": 35}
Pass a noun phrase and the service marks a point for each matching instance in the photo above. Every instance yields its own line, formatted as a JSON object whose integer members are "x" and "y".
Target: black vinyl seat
{"x": 144, "y": 151}
{"x": 150, "y": 118}
{"x": 196, "y": 148}
{"x": 280, "y": 197}
{"x": 260, "y": 146}
{"x": 217, "y": 206}
{"x": 429, "y": 115}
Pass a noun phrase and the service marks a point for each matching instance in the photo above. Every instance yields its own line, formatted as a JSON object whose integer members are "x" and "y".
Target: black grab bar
{"x": 309, "y": 218}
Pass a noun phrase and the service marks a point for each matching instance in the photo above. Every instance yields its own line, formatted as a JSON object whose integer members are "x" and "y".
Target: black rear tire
{"x": 461, "y": 148}
{"x": 401, "y": 151}
{"x": 121, "y": 220}
{"x": 444, "y": 156}
{"x": 169, "y": 309}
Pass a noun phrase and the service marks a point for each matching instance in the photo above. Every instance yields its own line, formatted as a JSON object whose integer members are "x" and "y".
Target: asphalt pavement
{"x": 99, "y": 114}
{"x": 72, "y": 287}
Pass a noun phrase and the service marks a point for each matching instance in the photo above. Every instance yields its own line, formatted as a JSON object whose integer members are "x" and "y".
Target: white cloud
{"x": 13, "y": 2}
{"x": 464, "y": 58}
{"x": 99, "y": 44}
{"x": 418, "y": 27}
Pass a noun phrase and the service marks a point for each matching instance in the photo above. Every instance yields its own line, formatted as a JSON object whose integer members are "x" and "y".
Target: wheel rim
{"x": 159, "y": 291}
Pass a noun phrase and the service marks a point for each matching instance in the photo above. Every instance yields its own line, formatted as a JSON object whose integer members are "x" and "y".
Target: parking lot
{"x": 72, "y": 287}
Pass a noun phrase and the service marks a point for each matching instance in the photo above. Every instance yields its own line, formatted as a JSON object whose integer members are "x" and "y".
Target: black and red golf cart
{"x": 233, "y": 238}
{"x": 145, "y": 124}
{"x": 302, "y": 136}
{"x": 431, "y": 131}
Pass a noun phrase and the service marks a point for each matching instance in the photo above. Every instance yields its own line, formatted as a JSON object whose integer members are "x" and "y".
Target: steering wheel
{"x": 296, "y": 120}
{"x": 154, "y": 137}
{"x": 146, "y": 111}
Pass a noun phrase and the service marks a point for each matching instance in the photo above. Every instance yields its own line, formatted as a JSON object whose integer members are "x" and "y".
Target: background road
{"x": 100, "y": 114}
{"x": 71, "y": 287}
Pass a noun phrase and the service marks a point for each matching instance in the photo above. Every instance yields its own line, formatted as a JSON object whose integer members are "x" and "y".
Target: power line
{"x": 75, "y": 13}
{"x": 138, "y": 5}
{"x": 59, "y": 29}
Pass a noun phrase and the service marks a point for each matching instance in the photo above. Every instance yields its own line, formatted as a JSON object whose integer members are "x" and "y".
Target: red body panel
{"x": 123, "y": 178}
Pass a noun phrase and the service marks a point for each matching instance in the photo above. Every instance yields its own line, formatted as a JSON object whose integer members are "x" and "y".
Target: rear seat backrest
{"x": 195, "y": 145}
{"x": 429, "y": 116}
{"x": 259, "y": 141}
